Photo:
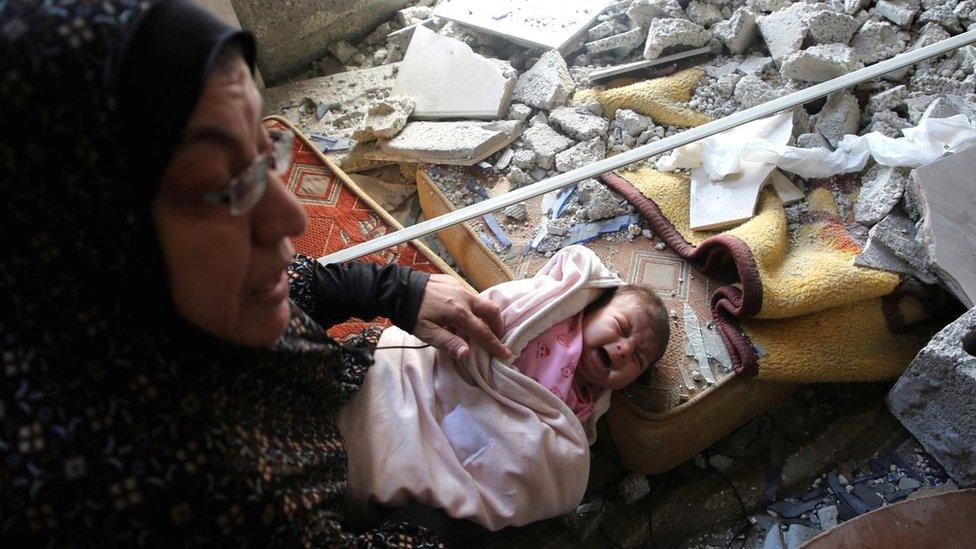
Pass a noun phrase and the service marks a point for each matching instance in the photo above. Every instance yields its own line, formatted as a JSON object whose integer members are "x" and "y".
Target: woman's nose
{"x": 278, "y": 214}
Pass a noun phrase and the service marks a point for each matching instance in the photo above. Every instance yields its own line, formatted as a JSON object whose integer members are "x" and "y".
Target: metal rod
{"x": 688, "y": 136}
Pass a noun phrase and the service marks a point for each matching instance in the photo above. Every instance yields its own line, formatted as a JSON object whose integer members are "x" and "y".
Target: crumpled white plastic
{"x": 722, "y": 154}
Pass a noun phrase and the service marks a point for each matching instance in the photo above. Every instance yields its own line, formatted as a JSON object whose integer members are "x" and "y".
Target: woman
{"x": 159, "y": 386}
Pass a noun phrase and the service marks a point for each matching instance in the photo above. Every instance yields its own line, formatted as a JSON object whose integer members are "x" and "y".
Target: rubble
{"x": 933, "y": 400}
{"x": 811, "y": 141}
{"x": 385, "y": 118}
{"x": 820, "y": 63}
{"x": 459, "y": 143}
{"x": 621, "y": 43}
{"x": 898, "y": 12}
{"x": 642, "y": 13}
{"x": 597, "y": 201}
{"x": 831, "y": 27}
{"x": 838, "y": 118}
{"x": 754, "y": 65}
{"x": 519, "y": 112}
{"x": 752, "y": 90}
{"x": 667, "y": 33}
{"x": 547, "y": 84}
{"x": 889, "y": 99}
{"x": 738, "y": 32}
{"x": 600, "y": 74}
{"x": 881, "y": 190}
{"x": 448, "y": 80}
{"x": 546, "y": 143}
{"x": 518, "y": 212}
{"x": 580, "y": 126}
{"x": 784, "y": 30}
{"x": 631, "y": 122}
{"x": 784, "y": 189}
{"x": 581, "y": 154}
{"x": 893, "y": 239}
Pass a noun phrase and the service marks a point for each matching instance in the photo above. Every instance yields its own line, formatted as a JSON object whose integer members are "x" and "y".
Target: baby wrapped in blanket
{"x": 504, "y": 444}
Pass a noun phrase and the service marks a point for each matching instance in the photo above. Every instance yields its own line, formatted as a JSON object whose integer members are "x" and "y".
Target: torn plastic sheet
{"x": 722, "y": 154}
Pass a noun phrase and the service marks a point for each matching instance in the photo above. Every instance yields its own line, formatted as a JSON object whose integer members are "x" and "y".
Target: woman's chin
{"x": 262, "y": 330}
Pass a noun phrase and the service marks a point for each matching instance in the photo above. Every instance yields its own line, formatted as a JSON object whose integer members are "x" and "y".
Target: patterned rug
{"x": 340, "y": 215}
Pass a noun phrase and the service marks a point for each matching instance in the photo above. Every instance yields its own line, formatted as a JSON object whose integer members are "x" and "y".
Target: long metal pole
{"x": 688, "y": 136}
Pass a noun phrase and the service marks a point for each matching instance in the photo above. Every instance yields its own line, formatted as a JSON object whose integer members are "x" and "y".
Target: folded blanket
{"x": 800, "y": 310}
{"x": 477, "y": 438}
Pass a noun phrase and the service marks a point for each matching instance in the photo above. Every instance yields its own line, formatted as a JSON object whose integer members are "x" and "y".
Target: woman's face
{"x": 226, "y": 273}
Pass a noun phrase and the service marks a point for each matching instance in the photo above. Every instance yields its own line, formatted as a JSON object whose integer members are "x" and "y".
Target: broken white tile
{"x": 718, "y": 204}
{"x": 547, "y": 85}
{"x": 549, "y": 24}
{"x": 948, "y": 228}
{"x": 459, "y": 143}
{"x": 784, "y": 189}
{"x": 446, "y": 79}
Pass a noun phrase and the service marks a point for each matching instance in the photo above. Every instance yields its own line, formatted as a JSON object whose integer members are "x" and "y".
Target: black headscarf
{"x": 119, "y": 422}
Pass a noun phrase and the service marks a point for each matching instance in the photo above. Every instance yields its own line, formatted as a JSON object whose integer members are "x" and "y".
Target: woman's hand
{"x": 450, "y": 314}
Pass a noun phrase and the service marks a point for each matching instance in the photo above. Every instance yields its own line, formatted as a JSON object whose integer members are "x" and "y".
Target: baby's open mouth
{"x": 604, "y": 358}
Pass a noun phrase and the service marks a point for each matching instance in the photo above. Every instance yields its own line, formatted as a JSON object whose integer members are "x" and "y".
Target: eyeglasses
{"x": 246, "y": 189}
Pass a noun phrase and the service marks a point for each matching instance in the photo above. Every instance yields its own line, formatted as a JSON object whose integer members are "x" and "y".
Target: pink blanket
{"x": 478, "y": 439}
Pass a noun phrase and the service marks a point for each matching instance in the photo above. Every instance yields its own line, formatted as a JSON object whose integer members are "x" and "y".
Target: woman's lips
{"x": 273, "y": 292}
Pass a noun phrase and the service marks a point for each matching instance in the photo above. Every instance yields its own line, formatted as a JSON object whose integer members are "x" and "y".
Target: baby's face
{"x": 618, "y": 343}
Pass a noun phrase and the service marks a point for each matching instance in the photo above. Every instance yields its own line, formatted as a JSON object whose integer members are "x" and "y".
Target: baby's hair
{"x": 657, "y": 314}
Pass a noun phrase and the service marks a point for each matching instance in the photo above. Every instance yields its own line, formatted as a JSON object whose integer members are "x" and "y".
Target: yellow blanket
{"x": 801, "y": 310}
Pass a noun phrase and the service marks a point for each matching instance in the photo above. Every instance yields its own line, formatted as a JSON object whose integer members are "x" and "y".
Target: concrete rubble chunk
{"x": 798, "y": 534}
{"x": 830, "y": 27}
{"x": 598, "y": 202}
{"x": 755, "y": 65}
{"x": 385, "y": 118}
{"x": 784, "y": 30}
{"x": 674, "y": 33}
{"x": 933, "y": 399}
{"x": 738, "y": 32}
{"x": 525, "y": 159}
{"x": 633, "y": 488}
{"x": 897, "y": 233}
{"x": 604, "y": 29}
{"x": 581, "y": 154}
{"x": 704, "y": 13}
{"x": 547, "y": 84}
{"x": 888, "y": 99}
{"x": 811, "y": 141}
{"x": 619, "y": 43}
{"x": 768, "y": 5}
{"x": 342, "y": 51}
{"x": 519, "y": 112}
{"x": 519, "y": 177}
{"x": 853, "y": 6}
{"x": 882, "y": 189}
{"x": 546, "y": 143}
{"x": 948, "y": 229}
{"x": 827, "y": 516}
{"x": 877, "y": 41}
{"x": 821, "y": 63}
{"x": 413, "y": 15}
{"x": 752, "y": 90}
{"x": 838, "y": 118}
{"x": 530, "y": 24}
{"x": 633, "y": 123}
{"x": 642, "y": 12}
{"x": 518, "y": 212}
{"x": 578, "y": 125}
{"x": 446, "y": 79}
{"x": 898, "y": 12}
{"x": 944, "y": 16}
{"x": 458, "y": 143}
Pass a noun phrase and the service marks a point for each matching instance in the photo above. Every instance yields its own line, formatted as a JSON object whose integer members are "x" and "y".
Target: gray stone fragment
{"x": 898, "y": 12}
{"x": 754, "y": 65}
{"x": 518, "y": 212}
{"x": 720, "y": 462}
{"x": 738, "y": 32}
{"x": 944, "y": 16}
{"x": 342, "y": 51}
{"x": 820, "y": 63}
{"x": 930, "y": 34}
{"x": 774, "y": 538}
{"x": 830, "y": 27}
{"x": 940, "y": 108}
{"x": 888, "y": 99}
{"x": 799, "y": 534}
{"x": 603, "y": 30}
{"x": 597, "y": 201}
{"x": 631, "y": 122}
{"x": 897, "y": 233}
{"x": 519, "y": 178}
{"x": 504, "y": 159}
{"x": 580, "y": 155}
{"x": 525, "y": 159}
{"x": 811, "y": 141}
{"x": 667, "y": 33}
{"x": 827, "y": 516}
{"x": 621, "y": 44}
{"x": 877, "y": 41}
{"x": 385, "y": 118}
{"x": 519, "y": 112}
{"x": 703, "y": 13}
{"x": 752, "y": 90}
{"x": 839, "y": 117}
{"x": 853, "y": 6}
{"x": 881, "y": 190}
{"x": 643, "y": 12}
{"x": 889, "y": 123}
{"x": 578, "y": 125}
{"x": 633, "y": 488}
{"x": 784, "y": 30}
{"x": 935, "y": 399}
{"x": 547, "y": 85}
{"x": 546, "y": 142}
{"x": 908, "y": 483}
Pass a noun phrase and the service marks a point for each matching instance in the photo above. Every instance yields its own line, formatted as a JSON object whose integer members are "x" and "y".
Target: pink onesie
{"x": 551, "y": 359}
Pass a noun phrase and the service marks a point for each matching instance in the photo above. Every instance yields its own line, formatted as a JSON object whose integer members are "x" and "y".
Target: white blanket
{"x": 477, "y": 439}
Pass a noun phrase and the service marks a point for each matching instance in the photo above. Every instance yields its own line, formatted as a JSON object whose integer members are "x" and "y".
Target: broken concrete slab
{"x": 600, "y": 74}
{"x": 674, "y": 33}
{"x": 738, "y": 32}
{"x": 621, "y": 43}
{"x": 581, "y": 154}
{"x": 839, "y": 117}
{"x": 458, "y": 143}
{"x": 820, "y": 63}
{"x": 811, "y": 141}
{"x": 291, "y": 39}
{"x": 446, "y": 79}
{"x": 531, "y": 24}
{"x": 948, "y": 228}
{"x": 579, "y": 125}
{"x": 888, "y": 99}
{"x": 546, "y": 143}
{"x": 754, "y": 65}
{"x": 831, "y": 27}
{"x": 877, "y": 41}
{"x": 784, "y": 189}
{"x": 933, "y": 399}
{"x": 784, "y": 30}
{"x": 597, "y": 200}
{"x": 547, "y": 85}
{"x": 642, "y": 13}
{"x": 896, "y": 233}
{"x": 882, "y": 189}
{"x": 384, "y": 118}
